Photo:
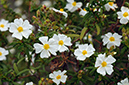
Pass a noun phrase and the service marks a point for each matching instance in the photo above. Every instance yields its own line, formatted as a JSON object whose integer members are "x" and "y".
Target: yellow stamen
{"x": 61, "y": 42}
{"x": 20, "y": 29}
{"x": 94, "y": 9}
{"x": 89, "y": 36}
{"x": 2, "y": 25}
{"x": 74, "y": 3}
{"x": 61, "y": 10}
{"x": 112, "y": 39}
{"x": 46, "y": 46}
{"x": 125, "y": 14}
{"x": 84, "y": 52}
{"x": 84, "y": 9}
{"x": 111, "y": 3}
{"x": 58, "y": 77}
{"x": 104, "y": 64}
{"x": 0, "y": 54}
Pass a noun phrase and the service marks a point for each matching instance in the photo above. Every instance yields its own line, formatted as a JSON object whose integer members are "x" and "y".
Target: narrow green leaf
{"x": 15, "y": 68}
{"x": 72, "y": 35}
{"x": 22, "y": 71}
{"x": 20, "y": 60}
{"x": 98, "y": 29}
{"x": 83, "y": 32}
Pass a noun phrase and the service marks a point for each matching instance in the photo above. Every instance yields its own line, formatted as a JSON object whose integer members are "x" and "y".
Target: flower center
{"x": 46, "y": 46}
{"x": 20, "y": 29}
{"x": 84, "y": 52}
{"x": 94, "y": 9}
{"x": 89, "y": 36}
{"x": 2, "y": 25}
{"x": 61, "y": 10}
{"x": 125, "y": 14}
{"x": 104, "y": 64}
{"x": 112, "y": 39}
{"x": 74, "y": 3}
{"x": 58, "y": 77}
{"x": 84, "y": 9}
{"x": 111, "y": 3}
{"x": 61, "y": 42}
{"x": 0, "y": 54}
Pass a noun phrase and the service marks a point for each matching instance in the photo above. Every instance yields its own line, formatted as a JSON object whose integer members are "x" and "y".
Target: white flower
{"x": 62, "y": 41}
{"x": 110, "y": 5}
{"x": 111, "y": 40}
{"x": 89, "y": 37}
{"x": 104, "y": 64}
{"x": 4, "y": 25}
{"x": 18, "y": 3}
{"x": 61, "y": 11}
{"x": 30, "y": 83}
{"x": 128, "y": 56}
{"x": 58, "y": 76}
{"x": 83, "y": 12}
{"x": 46, "y": 47}
{"x": 123, "y": 82}
{"x": 123, "y": 15}
{"x": 73, "y": 5}
{"x": 84, "y": 51}
{"x": 20, "y": 28}
{"x": 3, "y": 53}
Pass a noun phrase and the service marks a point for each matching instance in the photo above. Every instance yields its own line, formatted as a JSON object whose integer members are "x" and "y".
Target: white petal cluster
{"x": 61, "y": 11}
{"x": 20, "y": 28}
{"x": 62, "y": 41}
{"x": 3, "y": 53}
{"x": 4, "y": 25}
{"x": 104, "y": 64}
{"x": 123, "y": 82}
{"x": 58, "y": 76}
{"x": 29, "y": 83}
{"x": 123, "y": 15}
{"x": 46, "y": 47}
{"x": 110, "y": 5}
{"x": 111, "y": 39}
{"x": 84, "y": 51}
{"x": 83, "y": 12}
{"x": 73, "y": 5}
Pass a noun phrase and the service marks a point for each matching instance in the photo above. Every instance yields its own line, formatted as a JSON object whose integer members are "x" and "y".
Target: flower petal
{"x": 44, "y": 54}
{"x": 63, "y": 78}
{"x": 18, "y": 22}
{"x": 43, "y": 39}
{"x": 77, "y": 52}
{"x": 110, "y": 59}
{"x": 101, "y": 70}
{"x": 38, "y": 47}
{"x": 109, "y": 69}
{"x": 62, "y": 48}
{"x": 123, "y": 20}
{"x": 26, "y": 33}
{"x": 17, "y": 35}
{"x": 81, "y": 57}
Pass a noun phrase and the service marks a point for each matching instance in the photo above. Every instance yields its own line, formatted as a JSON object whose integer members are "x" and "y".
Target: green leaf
{"x": 73, "y": 35}
{"x": 98, "y": 29}
{"x": 22, "y": 71}
{"x": 20, "y": 60}
{"x": 83, "y": 32}
{"x": 15, "y": 68}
